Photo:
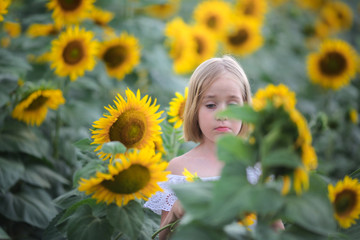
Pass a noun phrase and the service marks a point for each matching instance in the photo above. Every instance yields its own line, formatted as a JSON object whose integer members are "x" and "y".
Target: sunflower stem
{"x": 170, "y": 225}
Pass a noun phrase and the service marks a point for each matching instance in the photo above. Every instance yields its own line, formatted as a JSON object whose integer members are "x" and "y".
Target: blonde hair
{"x": 204, "y": 75}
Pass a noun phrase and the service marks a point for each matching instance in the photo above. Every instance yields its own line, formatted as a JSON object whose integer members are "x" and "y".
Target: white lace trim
{"x": 163, "y": 201}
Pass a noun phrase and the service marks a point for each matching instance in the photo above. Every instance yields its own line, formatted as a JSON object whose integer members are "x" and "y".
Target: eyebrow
{"x": 213, "y": 96}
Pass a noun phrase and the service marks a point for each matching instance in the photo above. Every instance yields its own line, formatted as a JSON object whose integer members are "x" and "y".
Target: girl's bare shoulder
{"x": 177, "y": 164}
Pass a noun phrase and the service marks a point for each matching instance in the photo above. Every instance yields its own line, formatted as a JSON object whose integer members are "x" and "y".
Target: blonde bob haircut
{"x": 204, "y": 75}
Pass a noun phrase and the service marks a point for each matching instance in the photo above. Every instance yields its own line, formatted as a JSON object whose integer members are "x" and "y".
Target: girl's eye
{"x": 210, "y": 105}
{"x": 232, "y": 103}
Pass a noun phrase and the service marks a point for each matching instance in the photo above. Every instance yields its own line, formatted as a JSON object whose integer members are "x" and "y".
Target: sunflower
{"x": 353, "y": 116}
{"x": 73, "y": 52}
{"x": 39, "y": 30}
{"x": 158, "y": 145}
{"x": 301, "y": 180}
{"x": 255, "y": 9}
{"x": 243, "y": 37}
{"x": 311, "y": 4}
{"x": 206, "y": 44}
{"x": 4, "y": 4}
{"x": 120, "y": 55}
{"x": 5, "y": 42}
{"x": 345, "y": 199}
{"x": 177, "y": 106}
{"x": 286, "y": 185}
{"x": 248, "y": 220}
{"x": 304, "y": 135}
{"x": 134, "y": 123}
{"x": 214, "y": 15}
{"x": 308, "y": 157}
{"x": 164, "y": 10}
{"x": 338, "y": 14}
{"x": 135, "y": 175}
{"x": 100, "y": 17}
{"x": 33, "y": 109}
{"x": 182, "y": 46}
{"x": 280, "y": 95}
{"x": 189, "y": 176}
{"x": 69, "y": 11}
{"x": 334, "y": 65}
{"x": 277, "y": 3}
{"x": 13, "y": 29}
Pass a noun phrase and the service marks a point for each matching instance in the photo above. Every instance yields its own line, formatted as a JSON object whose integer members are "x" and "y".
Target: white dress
{"x": 163, "y": 201}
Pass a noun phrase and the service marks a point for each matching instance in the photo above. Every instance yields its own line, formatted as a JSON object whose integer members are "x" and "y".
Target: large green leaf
{"x": 83, "y": 225}
{"x": 244, "y": 113}
{"x": 311, "y": 212}
{"x": 195, "y": 197}
{"x": 127, "y": 219}
{"x": 198, "y": 231}
{"x": 3, "y": 235}
{"x": 113, "y": 147}
{"x": 11, "y": 63}
{"x": 29, "y": 204}
{"x": 232, "y": 148}
{"x": 286, "y": 158}
{"x": 11, "y": 171}
{"x": 85, "y": 145}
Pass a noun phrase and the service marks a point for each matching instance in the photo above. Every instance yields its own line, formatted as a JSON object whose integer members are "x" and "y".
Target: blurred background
{"x": 311, "y": 46}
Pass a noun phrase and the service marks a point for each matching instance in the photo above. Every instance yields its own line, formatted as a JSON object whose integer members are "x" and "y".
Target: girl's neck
{"x": 208, "y": 150}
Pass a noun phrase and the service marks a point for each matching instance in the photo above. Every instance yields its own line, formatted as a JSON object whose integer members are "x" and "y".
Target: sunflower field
{"x": 92, "y": 96}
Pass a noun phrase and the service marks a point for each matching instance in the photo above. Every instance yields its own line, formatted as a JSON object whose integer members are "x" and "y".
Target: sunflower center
{"x": 199, "y": 45}
{"x": 73, "y": 52}
{"x": 239, "y": 37}
{"x": 333, "y": 64}
{"x": 129, "y": 181}
{"x": 211, "y": 22}
{"x": 115, "y": 56}
{"x": 345, "y": 202}
{"x": 129, "y": 128}
{"x": 37, "y": 103}
{"x": 69, "y": 5}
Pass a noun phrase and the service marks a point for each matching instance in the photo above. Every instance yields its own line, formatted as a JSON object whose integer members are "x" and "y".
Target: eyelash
{"x": 213, "y": 105}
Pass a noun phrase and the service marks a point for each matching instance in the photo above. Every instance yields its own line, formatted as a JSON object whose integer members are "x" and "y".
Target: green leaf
{"x": 85, "y": 145}
{"x": 31, "y": 205}
{"x": 3, "y": 235}
{"x": 10, "y": 63}
{"x": 83, "y": 225}
{"x": 113, "y": 147}
{"x": 198, "y": 231}
{"x": 88, "y": 170}
{"x": 281, "y": 158}
{"x": 127, "y": 219}
{"x": 10, "y": 172}
{"x": 232, "y": 148}
{"x": 300, "y": 210}
{"x": 195, "y": 197}
{"x": 244, "y": 113}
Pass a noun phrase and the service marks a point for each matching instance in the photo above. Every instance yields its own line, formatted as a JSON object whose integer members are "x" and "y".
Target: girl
{"x": 214, "y": 85}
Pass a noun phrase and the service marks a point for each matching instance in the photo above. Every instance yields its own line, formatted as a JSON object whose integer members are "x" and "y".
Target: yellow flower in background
{"x": 354, "y": 116}
{"x": 206, "y": 43}
{"x": 334, "y": 65}
{"x": 308, "y": 157}
{"x": 214, "y": 15}
{"x": 163, "y": 10}
{"x": 280, "y": 95}
{"x": 158, "y": 145}
{"x": 338, "y": 14}
{"x": 177, "y": 106}
{"x": 189, "y": 176}
{"x": 33, "y": 109}
{"x": 73, "y": 52}
{"x": 286, "y": 185}
{"x": 4, "y": 4}
{"x": 69, "y": 11}
{"x": 277, "y": 3}
{"x": 243, "y": 37}
{"x": 182, "y": 46}
{"x": 120, "y": 55}
{"x": 301, "y": 180}
{"x": 42, "y": 30}
{"x": 251, "y": 8}
{"x": 13, "y": 29}
{"x": 304, "y": 135}
{"x": 133, "y": 122}
{"x": 135, "y": 175}
{"x": 345, "y": 198}
{"x": 5, "y": 42}
{"x": 248, "y": 220}
{"x": 311, "y": 4}
{"x": 100, "y": 16}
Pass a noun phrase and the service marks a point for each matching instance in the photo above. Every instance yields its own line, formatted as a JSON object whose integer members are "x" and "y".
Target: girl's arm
{"x": 175, "y": 213}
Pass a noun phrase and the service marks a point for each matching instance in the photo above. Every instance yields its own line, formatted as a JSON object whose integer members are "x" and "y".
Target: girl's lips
{"x": 222, "y": 129}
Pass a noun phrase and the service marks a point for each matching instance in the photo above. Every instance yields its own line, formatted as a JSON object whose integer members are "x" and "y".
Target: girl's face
{"x": 223, "y": 92}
